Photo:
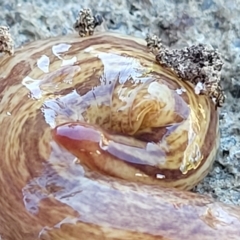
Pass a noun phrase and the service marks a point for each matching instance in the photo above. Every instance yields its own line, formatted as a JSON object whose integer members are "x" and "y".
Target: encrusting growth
{"x": 197, "y": 64}
{"x": 6, "y": 42}
{"x": 86, "y": 22}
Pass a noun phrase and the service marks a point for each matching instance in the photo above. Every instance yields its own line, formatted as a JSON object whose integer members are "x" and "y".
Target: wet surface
{"x": 60, "y": 194}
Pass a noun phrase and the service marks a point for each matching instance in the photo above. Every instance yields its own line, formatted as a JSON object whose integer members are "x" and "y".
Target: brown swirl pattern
{"x": 135, "y": 127}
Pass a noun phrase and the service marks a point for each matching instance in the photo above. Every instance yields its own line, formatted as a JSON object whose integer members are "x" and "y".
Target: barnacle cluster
{"x": 197, "y": 64}
{"x": 87, "y": 22}
{"x": 6, "y": 42}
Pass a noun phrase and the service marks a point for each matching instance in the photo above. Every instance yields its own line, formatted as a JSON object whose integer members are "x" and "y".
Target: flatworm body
{"x": 136, "y": 130}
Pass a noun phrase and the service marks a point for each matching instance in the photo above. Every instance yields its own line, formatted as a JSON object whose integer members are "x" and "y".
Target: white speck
{"x": 60, "y": 48}
{"x": 9, "y": 114}
{"x": 180, "y": 90}
{"x": 152, "y": 147}
{"x": 69, "y": 61}
{"x": 159, "y": 91}
{"x": 160, "y": 176}
{"x": 98, "y": 152}
{"x": 103, "y": 145}
{"x": 140, "y": 175}
{"x": 33, "y": 86}
{"x": 76, "y": 160}
{"x": 198, "y": 88}
{"x": 43, "y": 63}
{"x": 89, "y": 49}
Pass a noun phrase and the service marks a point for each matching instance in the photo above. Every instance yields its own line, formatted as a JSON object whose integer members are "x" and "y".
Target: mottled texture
{"x": 40, "y": 183}
{"x": 179, "y": 24}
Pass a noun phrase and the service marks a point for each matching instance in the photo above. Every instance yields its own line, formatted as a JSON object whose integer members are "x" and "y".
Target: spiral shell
{"x": 132, "y": 124}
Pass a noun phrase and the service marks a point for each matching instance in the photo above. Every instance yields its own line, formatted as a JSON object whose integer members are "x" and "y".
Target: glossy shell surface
{"x": 134, "y": 126}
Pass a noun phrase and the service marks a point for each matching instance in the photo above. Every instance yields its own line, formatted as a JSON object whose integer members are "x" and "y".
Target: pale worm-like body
{"x": 136, "y": 129}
